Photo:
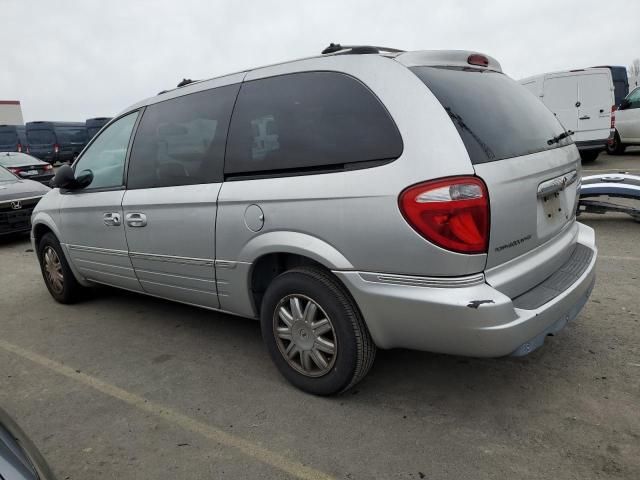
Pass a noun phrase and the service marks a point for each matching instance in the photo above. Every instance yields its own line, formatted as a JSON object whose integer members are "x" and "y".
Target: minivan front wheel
{"x": 57, "y": 274}
{"x": 314, "y": 332}
{"x": 616, "y": 147}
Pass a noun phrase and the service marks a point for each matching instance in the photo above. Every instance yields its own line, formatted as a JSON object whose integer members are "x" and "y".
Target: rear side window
{"x": 308, "y": 121}
{"x": 181, "y": 141}
{"x": 41, "y": 137}
{"x": 495, "y": 116}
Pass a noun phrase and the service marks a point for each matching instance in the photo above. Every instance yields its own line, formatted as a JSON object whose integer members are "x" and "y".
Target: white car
{"x": 627, "y": 124}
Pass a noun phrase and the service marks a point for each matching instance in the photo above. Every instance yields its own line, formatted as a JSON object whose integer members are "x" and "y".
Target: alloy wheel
{"x": 305, "y": 335}
{"x": 53, "y": 270}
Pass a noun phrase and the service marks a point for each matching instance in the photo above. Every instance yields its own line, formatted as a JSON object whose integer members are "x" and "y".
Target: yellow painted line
{"x": 292, "y": 467}
{"x": 615, "y": 257}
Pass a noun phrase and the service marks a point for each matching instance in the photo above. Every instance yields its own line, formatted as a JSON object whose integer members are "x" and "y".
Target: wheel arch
{"x": 276, "y": 252}
{"x": 42, "y": 224}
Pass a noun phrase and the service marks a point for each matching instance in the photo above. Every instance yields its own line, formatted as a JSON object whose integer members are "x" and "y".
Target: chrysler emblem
{"x": 16, "y": 205}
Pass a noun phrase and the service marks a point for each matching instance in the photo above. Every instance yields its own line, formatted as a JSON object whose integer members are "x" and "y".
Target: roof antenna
{"x": 185, "y": 81}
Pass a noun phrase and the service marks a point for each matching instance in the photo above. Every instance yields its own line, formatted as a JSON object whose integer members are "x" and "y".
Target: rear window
{"x": 496, "y": 117}
{"x": 72, "y": 135}
{"x": 8, "y": 138}
{"x": 40, "y": 137}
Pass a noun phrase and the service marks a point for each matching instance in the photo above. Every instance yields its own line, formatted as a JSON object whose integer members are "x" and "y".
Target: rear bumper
{"x": 466, "y": 316}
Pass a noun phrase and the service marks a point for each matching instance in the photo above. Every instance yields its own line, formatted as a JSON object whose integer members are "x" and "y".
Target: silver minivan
{"x": 364, "y": 198}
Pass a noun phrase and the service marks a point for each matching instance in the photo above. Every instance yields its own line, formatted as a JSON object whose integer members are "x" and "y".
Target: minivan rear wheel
{"x": 314, "y": 332}
{"x": 57, "y": 274}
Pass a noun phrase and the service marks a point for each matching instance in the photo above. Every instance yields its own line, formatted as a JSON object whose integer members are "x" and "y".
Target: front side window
{"x": 634, "y": 98}
{"x": 181, "y": 141}
{"x": 106, "y": 156}
{"x": 306, "y": 121}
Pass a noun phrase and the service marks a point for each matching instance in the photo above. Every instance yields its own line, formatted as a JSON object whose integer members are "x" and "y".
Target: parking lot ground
{"x": 127, "y": 386}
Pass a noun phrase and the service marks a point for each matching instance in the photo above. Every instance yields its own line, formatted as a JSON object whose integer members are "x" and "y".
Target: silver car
{"x": 364, "y": 198}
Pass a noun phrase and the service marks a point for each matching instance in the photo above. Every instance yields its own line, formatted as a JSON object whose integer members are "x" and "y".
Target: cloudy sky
{"x": 72, "y": 59}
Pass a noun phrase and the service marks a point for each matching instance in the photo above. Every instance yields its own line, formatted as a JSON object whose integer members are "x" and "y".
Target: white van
{"x": 583, "y": 100}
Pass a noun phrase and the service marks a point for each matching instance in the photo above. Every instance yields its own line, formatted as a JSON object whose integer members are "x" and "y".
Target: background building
{"x": 10, "y": 112}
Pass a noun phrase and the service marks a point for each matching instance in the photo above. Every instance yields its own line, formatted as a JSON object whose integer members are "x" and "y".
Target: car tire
{"x": 57, "y": 274}
{"x": 616, "y": 147}
{"x": 304, "y": 312}
{"x": 589, "y": 156}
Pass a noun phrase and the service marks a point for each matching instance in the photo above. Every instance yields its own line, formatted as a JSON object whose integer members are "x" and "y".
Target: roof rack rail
{"x": 185, "y": 81}
{"x": 358, "y": 49}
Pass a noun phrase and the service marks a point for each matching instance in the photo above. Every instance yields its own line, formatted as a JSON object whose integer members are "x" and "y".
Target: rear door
{"x": 531, "y": 176}
{"x": 560, "y": 95}
{"x": 41, "y": 141}
{"x": 595, "y": 97}
{"x": 8, "y": 139}
{"x": 170, "y": 206}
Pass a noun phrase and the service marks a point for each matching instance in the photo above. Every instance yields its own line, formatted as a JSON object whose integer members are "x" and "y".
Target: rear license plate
{"x": 31, "y": 172}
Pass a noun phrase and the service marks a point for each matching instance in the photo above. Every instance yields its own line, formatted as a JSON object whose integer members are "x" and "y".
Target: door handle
{"x": 585, "y": 117}
{"x": 136, "y": 219}
{"x": 112, "y": 219}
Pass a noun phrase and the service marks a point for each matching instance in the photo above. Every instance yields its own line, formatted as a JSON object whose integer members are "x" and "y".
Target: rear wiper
{"x": 562, "y": 136}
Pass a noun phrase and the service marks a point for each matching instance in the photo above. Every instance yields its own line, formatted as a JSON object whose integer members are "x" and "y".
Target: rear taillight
{"x": 48, "y": 166}
{"x": 451, "y": 212}
{"x": 14, "y": 170}
{"x": 56, "y": 148}
{"x": 19, "y": 148}
{"x": 613, "y": 116}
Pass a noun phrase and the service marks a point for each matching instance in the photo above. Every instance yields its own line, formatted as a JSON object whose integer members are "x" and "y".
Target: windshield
{"x": 41, "y": 137}
{"x": 496, "y": 117}
{"x": 6, "y": 176}
{"x": 8, "y": 138}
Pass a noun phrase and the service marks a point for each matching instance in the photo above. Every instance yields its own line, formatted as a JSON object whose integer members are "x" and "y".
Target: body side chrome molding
{"x": 105, "y": 251}
{"x": 204, "y": 262}
{"x": 434, "y": 282}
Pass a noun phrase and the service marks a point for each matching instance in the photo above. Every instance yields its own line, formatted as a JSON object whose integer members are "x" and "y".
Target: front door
{"x": 91, "y": 219}
{"x": 170, "y": 206}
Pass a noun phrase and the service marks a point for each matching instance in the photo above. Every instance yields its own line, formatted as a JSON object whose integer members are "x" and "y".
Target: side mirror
{"x": 84, "y": 179}
{"x": 65, "y": 178}
{"x": 624, "y": 104}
